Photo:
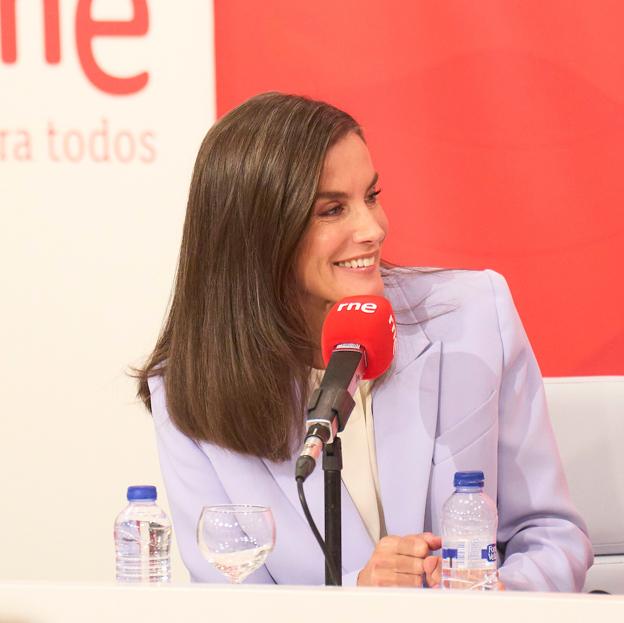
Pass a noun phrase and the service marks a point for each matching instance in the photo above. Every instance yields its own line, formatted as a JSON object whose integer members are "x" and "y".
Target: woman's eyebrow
{"x": 338, "y": 194}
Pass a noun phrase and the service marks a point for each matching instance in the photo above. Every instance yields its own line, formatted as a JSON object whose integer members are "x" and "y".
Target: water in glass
{"x": 236, "y": 538}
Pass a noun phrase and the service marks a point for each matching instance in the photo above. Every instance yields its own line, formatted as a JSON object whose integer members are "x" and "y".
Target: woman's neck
{"x": 314, "y": 319}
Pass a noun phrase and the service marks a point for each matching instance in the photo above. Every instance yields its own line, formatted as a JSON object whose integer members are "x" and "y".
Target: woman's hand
{"x": 403, "y": 561}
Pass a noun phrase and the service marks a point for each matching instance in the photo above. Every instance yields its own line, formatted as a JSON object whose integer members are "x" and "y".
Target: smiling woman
{"x": 283, "y": 220}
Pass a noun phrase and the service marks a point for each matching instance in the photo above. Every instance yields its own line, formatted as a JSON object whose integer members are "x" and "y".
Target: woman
{"x": 284, "y": 219}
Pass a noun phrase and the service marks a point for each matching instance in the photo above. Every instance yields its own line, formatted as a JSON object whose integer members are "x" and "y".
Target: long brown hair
{"x": 234, "y": 351}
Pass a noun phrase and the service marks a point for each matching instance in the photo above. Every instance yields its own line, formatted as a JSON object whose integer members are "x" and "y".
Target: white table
{"x": 72, "y": 602}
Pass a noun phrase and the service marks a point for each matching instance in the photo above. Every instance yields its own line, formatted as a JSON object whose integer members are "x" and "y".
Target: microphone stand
{"x": 349, "y": 361}
{"x": 328, "y": 411}
{"x": 332, "y": 467}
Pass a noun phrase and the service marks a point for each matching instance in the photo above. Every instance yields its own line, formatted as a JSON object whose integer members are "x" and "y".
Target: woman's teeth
{"x": 361, "y": 262}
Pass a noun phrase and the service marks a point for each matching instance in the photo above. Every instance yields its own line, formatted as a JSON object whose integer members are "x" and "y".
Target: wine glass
{"x": 236, "y": 538}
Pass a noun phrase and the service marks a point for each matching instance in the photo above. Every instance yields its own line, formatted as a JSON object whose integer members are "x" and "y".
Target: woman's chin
{"x": 372, "y": 285}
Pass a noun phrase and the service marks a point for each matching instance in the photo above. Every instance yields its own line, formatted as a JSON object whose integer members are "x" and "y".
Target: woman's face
{"x": 341, "y": 249}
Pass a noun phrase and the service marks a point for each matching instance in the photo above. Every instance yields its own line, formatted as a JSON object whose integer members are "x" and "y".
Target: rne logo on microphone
{"x": 86, "y": 30}
{"x": 367, "y": 308}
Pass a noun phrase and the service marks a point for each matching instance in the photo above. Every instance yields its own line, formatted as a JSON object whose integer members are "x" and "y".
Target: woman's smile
{"x": 358, "y": 263}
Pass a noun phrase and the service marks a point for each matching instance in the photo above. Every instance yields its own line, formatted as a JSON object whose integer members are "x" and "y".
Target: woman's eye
{"x": 332, "y": 211}
{"x": 372, "y": 197}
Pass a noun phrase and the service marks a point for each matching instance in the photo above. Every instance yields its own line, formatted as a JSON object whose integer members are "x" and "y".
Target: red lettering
{"x": 3, "y": 134}
{"x": 52, "y": 142}
{"x": 23, "y": 149}
{"x": 52, "y": 27}
{"x": 102, "y": 143}
{"x": 8, "y": 31}
{"x": 99, "y": 143}
{"x": 147, "y": 141}
{"x": 127, "y": 154}
{"x": 87, "y": 29}
{"x": 73, "y": 145}
{"x": 21, "y": 143}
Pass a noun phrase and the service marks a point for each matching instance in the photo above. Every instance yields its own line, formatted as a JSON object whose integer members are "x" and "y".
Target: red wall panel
{"x": 497, "y": 128}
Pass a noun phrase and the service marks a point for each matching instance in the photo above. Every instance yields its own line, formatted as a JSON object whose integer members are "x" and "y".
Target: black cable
{"x": 306, "y": 511}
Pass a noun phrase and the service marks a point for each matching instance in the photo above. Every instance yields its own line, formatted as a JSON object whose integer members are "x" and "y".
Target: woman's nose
{"x": 370, "y": 225}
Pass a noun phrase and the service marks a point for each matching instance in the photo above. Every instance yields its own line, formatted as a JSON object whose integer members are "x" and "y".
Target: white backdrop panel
{"x": 93, "y": 188}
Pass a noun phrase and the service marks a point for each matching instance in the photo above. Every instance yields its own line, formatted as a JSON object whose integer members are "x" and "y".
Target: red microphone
{"x": 358, "y": 341}
{"x": 364, "y": 320}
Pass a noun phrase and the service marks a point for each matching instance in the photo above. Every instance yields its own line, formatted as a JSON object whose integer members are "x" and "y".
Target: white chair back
{"x": 588, "y": 418}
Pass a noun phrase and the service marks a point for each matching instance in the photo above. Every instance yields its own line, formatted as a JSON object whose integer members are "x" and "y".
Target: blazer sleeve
{"x": 542, "y": 539}
{"x": 191, "y": 483}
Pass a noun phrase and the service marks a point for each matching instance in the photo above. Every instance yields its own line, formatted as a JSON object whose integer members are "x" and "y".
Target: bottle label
{"x": 469, "y": 554}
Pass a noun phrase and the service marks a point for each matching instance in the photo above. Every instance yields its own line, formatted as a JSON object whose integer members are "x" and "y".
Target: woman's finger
{"x": 413, "y": 545}
{"x": 402, "y": 564}
{"x": 434, "y": 542}
{"x": 419, "y": 545}
{"x": 386, "y": 577}
{"x": 432, "y": 566}
{"x": 389, "y": 544}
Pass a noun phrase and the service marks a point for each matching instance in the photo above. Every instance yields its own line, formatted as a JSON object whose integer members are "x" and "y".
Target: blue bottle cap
{"x": 468, "y": 479}
{"x": 142, "y": 492}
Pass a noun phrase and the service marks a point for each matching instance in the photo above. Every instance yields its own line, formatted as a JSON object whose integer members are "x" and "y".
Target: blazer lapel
{"x": 405, "y": 412}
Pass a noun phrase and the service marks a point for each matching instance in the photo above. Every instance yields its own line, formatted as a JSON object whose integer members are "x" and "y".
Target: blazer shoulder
{"x": 427, "y": 293}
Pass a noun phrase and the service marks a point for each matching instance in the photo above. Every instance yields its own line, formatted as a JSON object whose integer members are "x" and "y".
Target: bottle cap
{"x": 142, "y": 492}
{"x": 468, "y": 479}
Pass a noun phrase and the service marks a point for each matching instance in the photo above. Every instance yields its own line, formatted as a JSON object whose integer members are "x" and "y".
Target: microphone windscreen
{"x": 365, "y": 320}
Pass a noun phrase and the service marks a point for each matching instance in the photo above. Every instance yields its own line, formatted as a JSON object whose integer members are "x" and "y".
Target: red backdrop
{"x": 498, "y": 131}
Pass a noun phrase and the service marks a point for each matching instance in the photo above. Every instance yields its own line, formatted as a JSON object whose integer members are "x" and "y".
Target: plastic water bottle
{"x": 142, "y": 539}
{"x": 469, "y": 522}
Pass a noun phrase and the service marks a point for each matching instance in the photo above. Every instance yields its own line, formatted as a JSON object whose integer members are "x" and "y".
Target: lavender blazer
{"x": 465, "y": 393}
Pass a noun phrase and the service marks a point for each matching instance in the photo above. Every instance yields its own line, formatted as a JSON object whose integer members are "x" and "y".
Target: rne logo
{"x": 367, "y": 308}
{"x": 86, "y": 29}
